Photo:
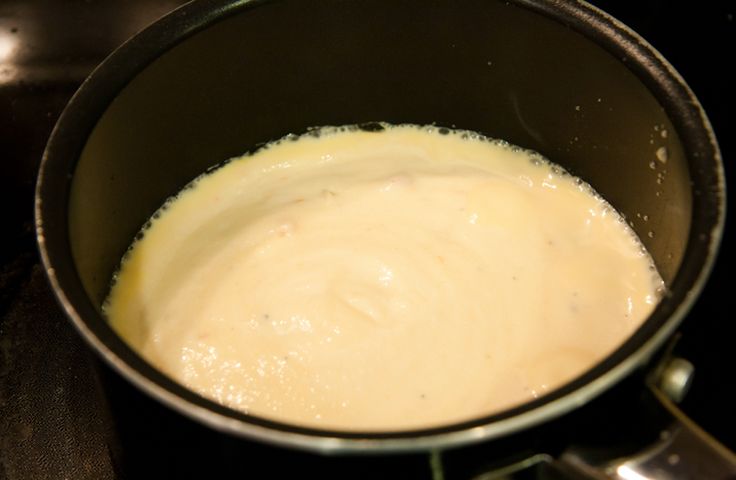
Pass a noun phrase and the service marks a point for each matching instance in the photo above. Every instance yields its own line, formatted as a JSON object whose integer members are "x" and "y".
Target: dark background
{"x": 63, "y": 414}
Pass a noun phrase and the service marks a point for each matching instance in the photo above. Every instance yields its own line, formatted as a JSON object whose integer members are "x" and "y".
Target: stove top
{"x": 65, "y": 415}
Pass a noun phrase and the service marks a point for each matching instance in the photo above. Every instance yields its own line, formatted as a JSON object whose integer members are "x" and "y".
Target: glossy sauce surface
{"x": 382, "y": 280}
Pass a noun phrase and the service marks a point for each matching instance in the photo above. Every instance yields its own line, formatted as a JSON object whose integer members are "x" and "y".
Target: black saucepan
{"x": 217, "y": 78}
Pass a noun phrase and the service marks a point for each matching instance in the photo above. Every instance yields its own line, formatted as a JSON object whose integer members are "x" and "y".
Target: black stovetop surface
{"x": 65, "y": 415}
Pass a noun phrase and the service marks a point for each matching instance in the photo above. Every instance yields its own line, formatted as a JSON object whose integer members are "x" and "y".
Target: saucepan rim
{"x": 91, "y": 100}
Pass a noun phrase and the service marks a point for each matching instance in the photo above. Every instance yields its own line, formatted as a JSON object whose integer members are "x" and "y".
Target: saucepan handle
{"x": 681, "y": 450}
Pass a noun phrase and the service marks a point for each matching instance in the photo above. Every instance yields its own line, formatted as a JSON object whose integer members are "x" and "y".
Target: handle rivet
{"x": 676, "y": 378}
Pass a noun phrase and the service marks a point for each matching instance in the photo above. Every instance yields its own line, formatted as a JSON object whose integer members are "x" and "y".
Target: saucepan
{"x": 217, "y": 78}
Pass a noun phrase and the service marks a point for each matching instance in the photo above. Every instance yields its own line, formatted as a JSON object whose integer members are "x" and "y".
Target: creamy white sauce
{"x": 382, "y": 281}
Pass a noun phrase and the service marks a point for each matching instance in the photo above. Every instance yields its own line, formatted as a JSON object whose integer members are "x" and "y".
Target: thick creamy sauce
{"x": 382, "y": 281}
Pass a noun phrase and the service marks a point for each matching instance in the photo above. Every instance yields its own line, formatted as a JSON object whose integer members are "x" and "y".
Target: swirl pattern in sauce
{"x": 382, "y": 280}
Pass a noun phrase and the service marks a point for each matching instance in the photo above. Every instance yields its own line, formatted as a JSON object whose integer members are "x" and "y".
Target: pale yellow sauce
{"x": 382, "y": 281}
